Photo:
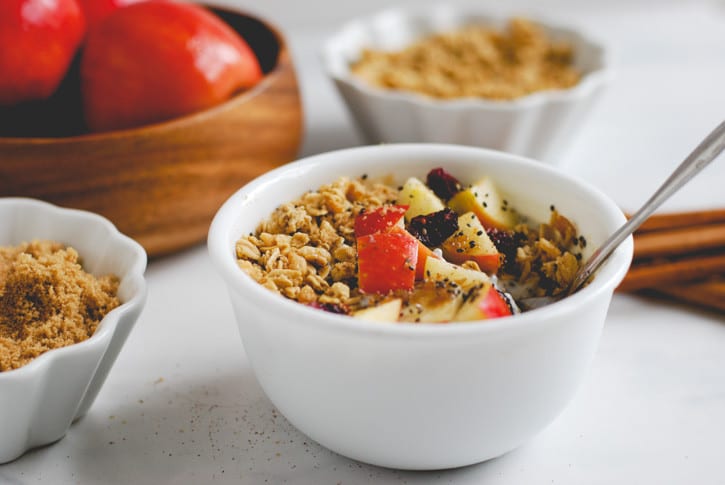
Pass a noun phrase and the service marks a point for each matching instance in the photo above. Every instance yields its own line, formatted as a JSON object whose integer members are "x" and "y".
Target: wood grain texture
{"x": 162, "y": 184}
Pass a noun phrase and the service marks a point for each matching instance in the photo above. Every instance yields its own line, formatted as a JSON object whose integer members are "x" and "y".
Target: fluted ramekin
{"x": 540, "y": 125}
{"x": 40, "y": 401}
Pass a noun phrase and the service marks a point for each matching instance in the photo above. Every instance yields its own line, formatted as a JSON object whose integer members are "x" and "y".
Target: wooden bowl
{"x": 161, "y": 184}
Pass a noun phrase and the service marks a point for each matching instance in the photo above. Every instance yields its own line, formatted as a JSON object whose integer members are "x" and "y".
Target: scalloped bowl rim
{"x": 222, "y": 255}
{"x": 589, "y": 81}
{"x": 107, "y": 326}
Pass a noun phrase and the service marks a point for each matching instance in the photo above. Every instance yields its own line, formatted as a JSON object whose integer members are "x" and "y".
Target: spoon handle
{"x": 700, "y": 157}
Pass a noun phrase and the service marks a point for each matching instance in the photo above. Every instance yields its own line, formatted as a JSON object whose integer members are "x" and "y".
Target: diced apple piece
{"x": 443, "y": 271}
{"x": 482, "y": 304}
{"x": 388, "y": 311}
{"x": 419, "y": 198}
{"x": 380, "y": 219}
{"x": 386, "y": 261}
{"x": 424, "y": 252}
{"x": 484, "y": 199}
{"x": 433, "y": 303}
{"x": 471, "y": 243}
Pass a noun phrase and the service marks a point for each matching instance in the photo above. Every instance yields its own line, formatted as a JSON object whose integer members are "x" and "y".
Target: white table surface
{"x": 182, "y": 405}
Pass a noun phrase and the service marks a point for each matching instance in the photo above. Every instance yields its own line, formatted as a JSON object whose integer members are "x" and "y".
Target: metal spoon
{"x": 701, "y": 157}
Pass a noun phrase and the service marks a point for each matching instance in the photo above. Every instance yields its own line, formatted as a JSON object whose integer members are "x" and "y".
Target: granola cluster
{"x": 474, "y": 61}
{"x": 306, "y": 249}
{"x": 546, "y": 258}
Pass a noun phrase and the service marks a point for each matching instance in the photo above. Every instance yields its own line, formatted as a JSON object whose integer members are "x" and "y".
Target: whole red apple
{"x": 153, "y": 61}
{"x": 38, "y": 39}
{"x": 97, "y": 10}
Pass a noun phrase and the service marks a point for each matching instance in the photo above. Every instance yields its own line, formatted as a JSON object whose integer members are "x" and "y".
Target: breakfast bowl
{"x": 419, "y": 395}
{"x": 42, "y": 398}
{"x": 159, "y": 183}
{"x": 538, "y": 123}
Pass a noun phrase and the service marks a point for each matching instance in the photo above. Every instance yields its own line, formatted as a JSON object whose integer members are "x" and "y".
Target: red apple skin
{"x": 97, "y": 10}
{"x": 494, "y": 305}
{"x": 38, "y": 40}
{"x": 386, "y": 261}
{"x": 157, "y": 60}
{"x": 485, "y": 304}
{"x": 424, "y": 252}
{"x": 380, "y": 219}
{"x": 489, "y": 263}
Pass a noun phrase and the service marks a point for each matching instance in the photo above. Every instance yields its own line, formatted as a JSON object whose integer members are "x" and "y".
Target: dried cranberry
{"x": 443, "y": 184}
{"x": 331, "y": 307}
{"x": 432, "y": 229}
{"x": 507, "y": 242}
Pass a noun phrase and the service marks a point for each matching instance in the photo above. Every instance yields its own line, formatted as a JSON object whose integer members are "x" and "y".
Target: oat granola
{"x": 474, "y": 61}
{"x": 307, "y": 251}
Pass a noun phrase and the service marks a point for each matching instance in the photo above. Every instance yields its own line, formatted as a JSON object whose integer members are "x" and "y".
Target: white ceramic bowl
{"x": 420, "y": 396}
{"x": 540, "y": 125}
{"x": 39, "y": 401}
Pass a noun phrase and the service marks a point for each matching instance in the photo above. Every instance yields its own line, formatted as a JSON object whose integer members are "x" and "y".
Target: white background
{"x": 182, "y": 405}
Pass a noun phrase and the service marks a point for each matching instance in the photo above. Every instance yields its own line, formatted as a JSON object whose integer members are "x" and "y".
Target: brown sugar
{"x": 474, "y": 61}
{"x": 47, "y": 301}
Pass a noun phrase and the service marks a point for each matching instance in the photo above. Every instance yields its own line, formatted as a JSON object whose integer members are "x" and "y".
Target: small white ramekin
{"x": 420, "y": 396}
{"x": 39, "y": 401}
{"x": 539, "y": 126}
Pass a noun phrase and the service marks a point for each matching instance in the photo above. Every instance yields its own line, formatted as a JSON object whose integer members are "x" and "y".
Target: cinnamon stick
{"x": 675, "y": 220}
{"x": 679, "y": 241}
{"x": 659, "y": 274}
{"x": 681, "y": 256}
{"x": 707, "y": 294}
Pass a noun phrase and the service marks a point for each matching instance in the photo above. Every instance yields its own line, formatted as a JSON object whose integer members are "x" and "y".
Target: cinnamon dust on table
{"x": 47, "y": 300}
